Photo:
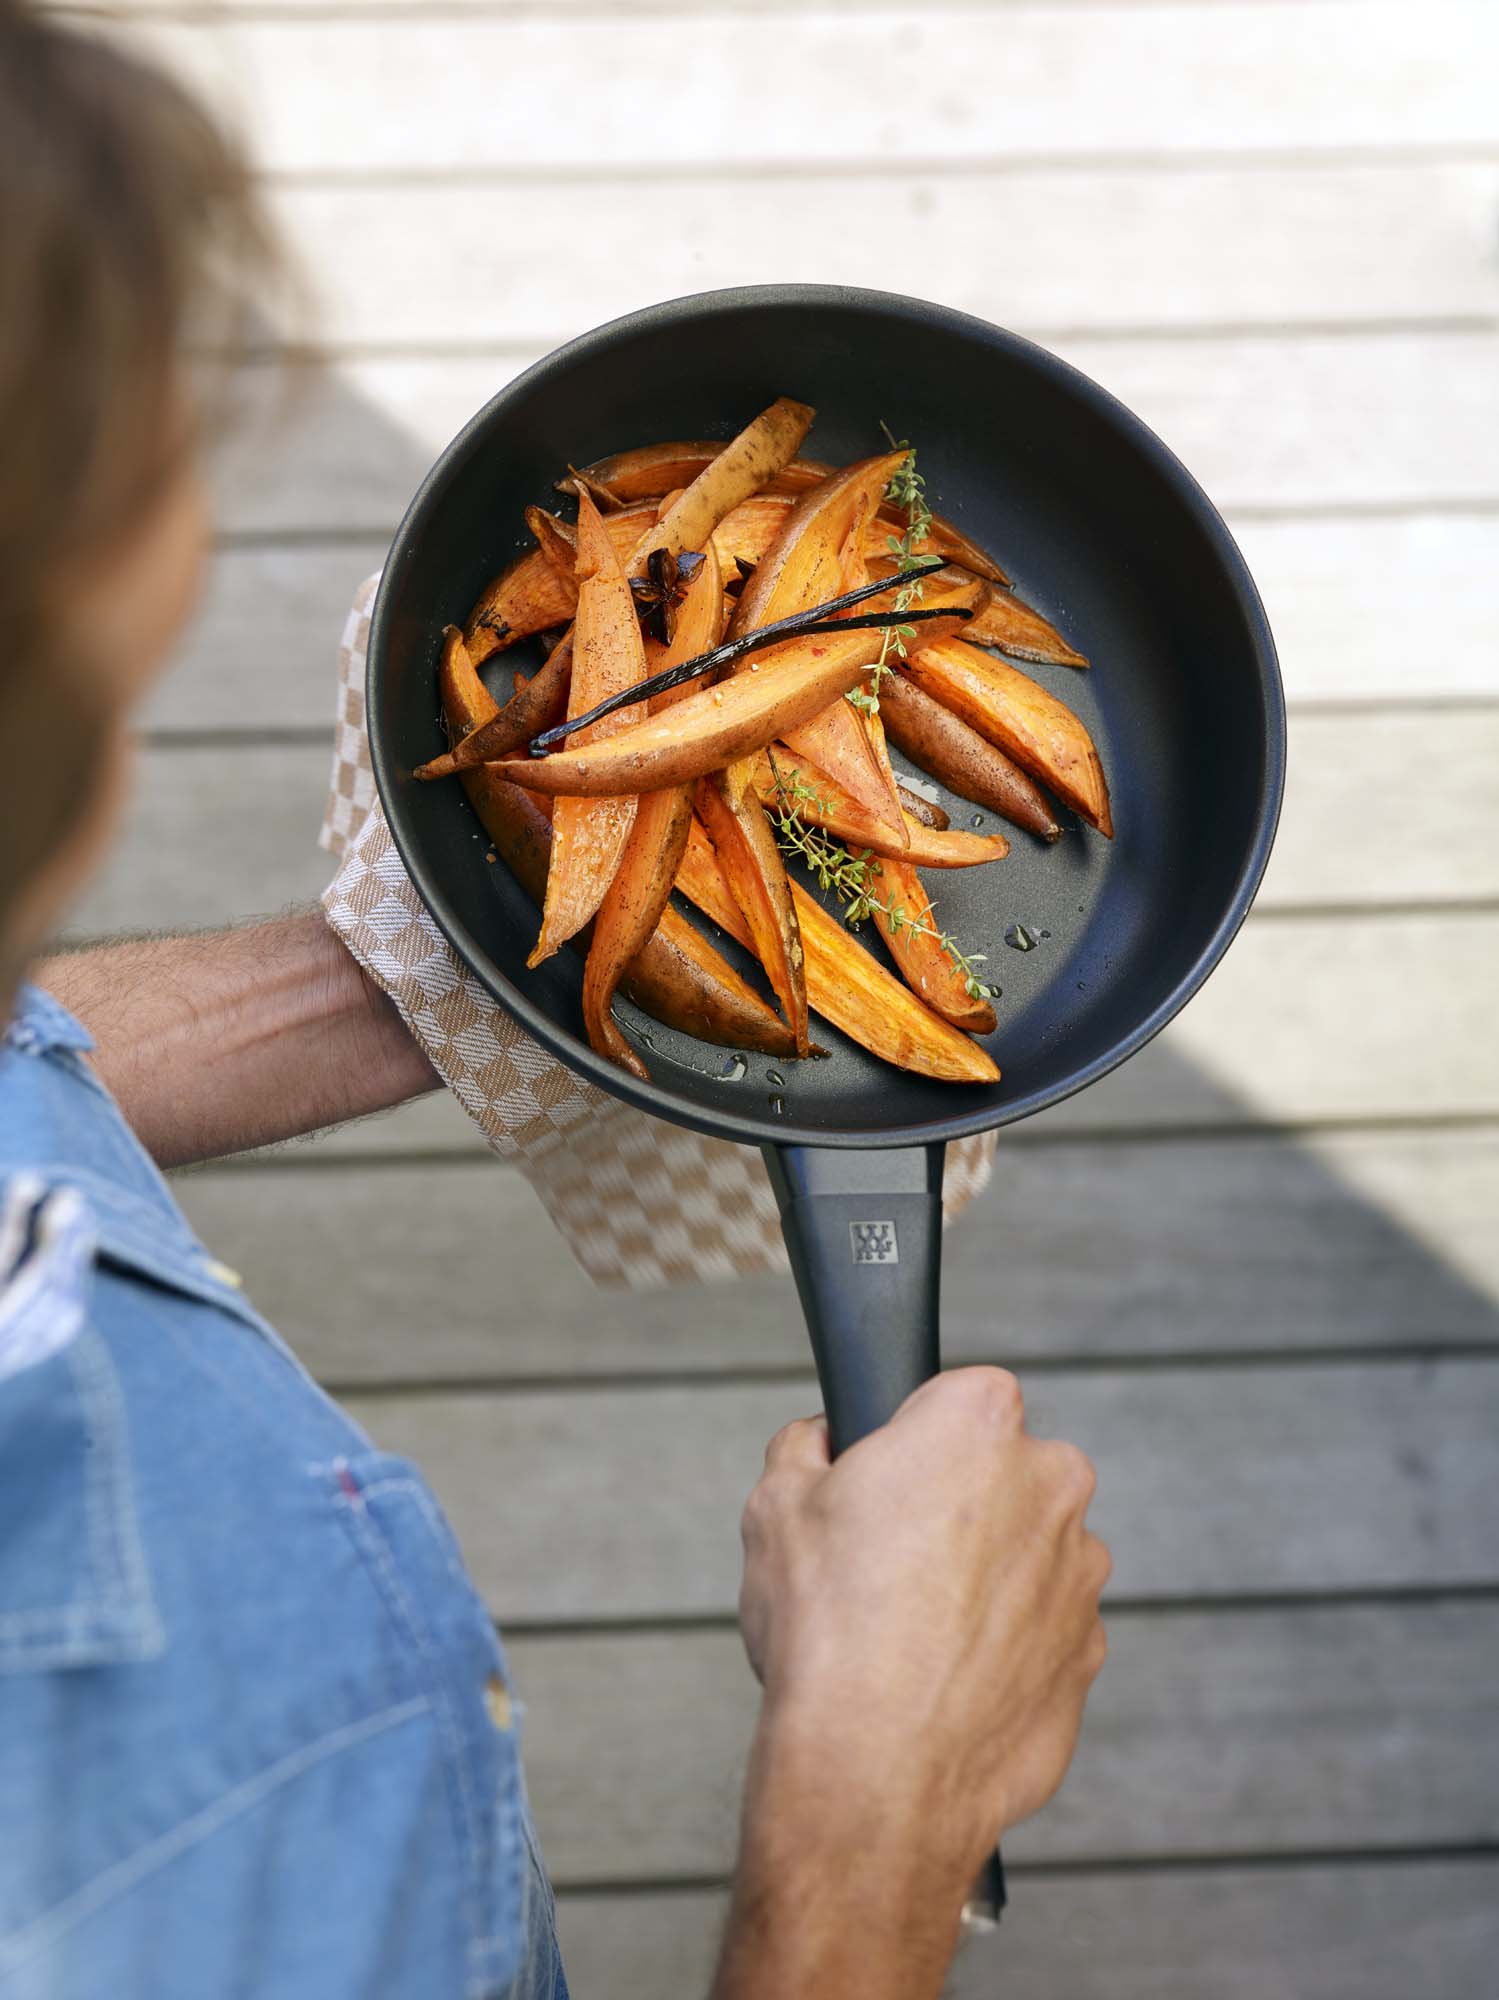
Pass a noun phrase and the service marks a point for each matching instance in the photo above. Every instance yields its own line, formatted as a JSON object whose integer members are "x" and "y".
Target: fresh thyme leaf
{"x": 853, "y": 878}
{"x": 907, "y": 490}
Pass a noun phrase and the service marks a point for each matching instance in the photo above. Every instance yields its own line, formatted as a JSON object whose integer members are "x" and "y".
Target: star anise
{"x": 661, "y": 589}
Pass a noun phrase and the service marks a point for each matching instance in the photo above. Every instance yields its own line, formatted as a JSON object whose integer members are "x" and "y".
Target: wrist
{"x": 852, "y": 1871}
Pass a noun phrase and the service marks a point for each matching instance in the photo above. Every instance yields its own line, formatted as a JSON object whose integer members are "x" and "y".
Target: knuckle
{"x": 1072, "y": 1474}
{"x": 993, "y": 1394}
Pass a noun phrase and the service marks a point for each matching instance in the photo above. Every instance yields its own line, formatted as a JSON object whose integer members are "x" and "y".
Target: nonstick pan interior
{"x": 1099, "y": 527}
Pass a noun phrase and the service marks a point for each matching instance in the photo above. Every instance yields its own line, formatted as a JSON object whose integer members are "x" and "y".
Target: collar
{"x": 41, "y": 1023}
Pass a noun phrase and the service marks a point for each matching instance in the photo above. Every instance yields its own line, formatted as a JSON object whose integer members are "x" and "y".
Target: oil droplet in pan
{"x": 777, "y": 1104}
{"x": 1021, "y": 938}
{"x": 734, "y": 1068}
{"x": 774, "y": 1078}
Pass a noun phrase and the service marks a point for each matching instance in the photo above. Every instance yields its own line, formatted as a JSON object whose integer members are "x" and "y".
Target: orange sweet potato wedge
{"x": 908, "y": 927}
{"x": 711, "y": 727}
{"x": 633, "y": 475}
{"x": 816, "y": 555}
{"x": 820, "y": 801}
{"x": 536, "y": 704}
{"x": 803, "y": 566}
{"x": 537, "y": 590}
{"x": 630, "y": 912}
{"x": 735, "y": 822}
{"x": 527, "y": 596}
{"x": 637, "y": 897}
{"x": 1005, "y": 621}
{"x": 958, "y": 757}
{"x": 589, "y": 834}
{"x": 676, "y": 976}
{"x": 1040, "y": 733}
{"x": 844, "y": 983}
{"x": 736, "y": 470}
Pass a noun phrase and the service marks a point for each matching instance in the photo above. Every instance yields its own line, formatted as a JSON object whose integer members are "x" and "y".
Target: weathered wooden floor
{"x": 1257, "y": 1272}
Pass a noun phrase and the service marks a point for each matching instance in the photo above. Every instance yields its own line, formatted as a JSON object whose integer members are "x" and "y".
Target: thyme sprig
{"x": 907, "y": 490}
{"x": 853, "y": 878}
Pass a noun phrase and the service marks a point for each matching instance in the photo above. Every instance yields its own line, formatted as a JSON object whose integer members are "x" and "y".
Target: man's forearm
{"x": 841, "y": 1893}
{"x": 224, "y": 1040}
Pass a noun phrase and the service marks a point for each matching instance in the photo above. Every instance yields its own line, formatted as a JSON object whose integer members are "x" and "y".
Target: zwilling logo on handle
{"x": 874, "y": 1242}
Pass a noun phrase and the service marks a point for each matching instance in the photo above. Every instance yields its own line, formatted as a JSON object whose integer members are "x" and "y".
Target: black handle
{"x": 864, "y": 1234}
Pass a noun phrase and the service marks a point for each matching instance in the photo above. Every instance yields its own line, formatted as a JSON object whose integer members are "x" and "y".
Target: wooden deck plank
{"x": 217, "y": 830}
{"x": 1381, "y": 1931}
{"x": 1239, "y": 1732}
{"x": 1367, "y": 420}
{"x": 261, "y": 653}
{"x": 1198, "y": 247}
{"x": 348, "y": 96}
{"x": 624, "y": 1503}
{"x": 1358, "y": 1241}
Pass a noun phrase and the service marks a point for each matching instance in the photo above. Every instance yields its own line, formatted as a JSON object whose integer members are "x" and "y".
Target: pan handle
{"x": 864, "y": 1234}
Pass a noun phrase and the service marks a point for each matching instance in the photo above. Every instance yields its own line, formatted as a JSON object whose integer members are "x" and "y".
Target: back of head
{"x": 122, "y": 210}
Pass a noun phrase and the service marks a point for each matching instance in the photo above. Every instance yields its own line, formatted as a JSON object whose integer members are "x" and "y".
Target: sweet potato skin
{"x": 967, "y": 763}
{"x": 1022, "y": 718}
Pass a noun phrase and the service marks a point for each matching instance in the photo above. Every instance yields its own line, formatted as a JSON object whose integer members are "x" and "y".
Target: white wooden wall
{"x": 1257, "y": 1272}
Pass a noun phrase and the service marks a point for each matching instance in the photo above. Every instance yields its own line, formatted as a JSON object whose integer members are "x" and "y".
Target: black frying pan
{"x": 1105, "y": 532}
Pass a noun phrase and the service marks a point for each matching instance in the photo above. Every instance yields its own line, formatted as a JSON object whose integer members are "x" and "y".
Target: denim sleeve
{"x": 257, "y": 1733}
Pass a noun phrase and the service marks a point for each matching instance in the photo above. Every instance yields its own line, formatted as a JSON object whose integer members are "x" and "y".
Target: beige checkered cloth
{"x": 641, "y": 1203}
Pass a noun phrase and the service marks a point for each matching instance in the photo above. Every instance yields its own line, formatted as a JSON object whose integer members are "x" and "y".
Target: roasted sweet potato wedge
{"x": 536, "y": 704}
{"x": 1005, "y": 621}
{"x": 633, "y": 905}
{"x": 803, "y": 566}
{"x": 711, "y": 727}
{"x": 536, "y": 592}
{"x": 630, "y": 913}
{"x": 925, "y": 811}
{"x": 735, "y": 822}
{"x": 739, "y": 469}
{"x": 1022, "y": 718}
{"x": 816, "y": 555}
{"x": 633, "y": 475}
{"x": 676, "y": 976}
{"x": 907, "y": 926}
{"x": 589, "y": 834}
{"x": 820, "y": 801}
{"x": 527, "y": 596}
{"x": 967, "y": 763}
{"x": 844, "y": 983}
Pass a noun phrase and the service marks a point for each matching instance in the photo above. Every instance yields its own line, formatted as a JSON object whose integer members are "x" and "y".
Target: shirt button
{"x": 497, "y": 1701}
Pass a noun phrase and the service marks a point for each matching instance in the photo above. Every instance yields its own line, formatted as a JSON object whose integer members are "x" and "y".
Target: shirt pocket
{"x": 413, "y": 1558}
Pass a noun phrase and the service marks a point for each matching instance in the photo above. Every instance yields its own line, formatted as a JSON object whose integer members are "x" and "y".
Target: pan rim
{"x": 654, "y": 1098}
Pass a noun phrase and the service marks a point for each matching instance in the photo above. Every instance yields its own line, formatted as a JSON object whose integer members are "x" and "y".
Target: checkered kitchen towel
{"x": 641, "y": 1203}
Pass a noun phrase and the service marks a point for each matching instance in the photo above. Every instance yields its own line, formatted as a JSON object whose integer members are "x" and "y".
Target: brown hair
{"x": 122, "y": 210}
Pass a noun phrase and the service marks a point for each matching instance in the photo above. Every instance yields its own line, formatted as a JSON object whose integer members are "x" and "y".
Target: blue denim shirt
{"x": 256, "y": 1737}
